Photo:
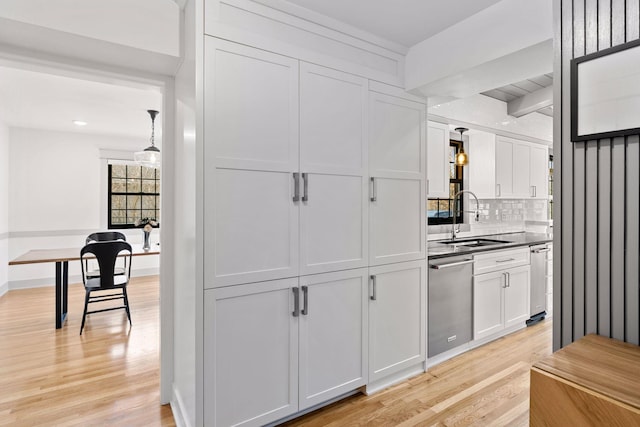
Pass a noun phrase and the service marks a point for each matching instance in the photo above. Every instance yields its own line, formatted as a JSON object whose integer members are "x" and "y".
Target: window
{"x": 134, "y": 193}
{"x": 439, "y": 211}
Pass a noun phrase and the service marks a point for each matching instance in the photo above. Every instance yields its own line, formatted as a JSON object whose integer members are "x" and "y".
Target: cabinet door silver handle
{"x": 296, "y": 187}
{"x": 374, "y": 190}
{"x": 535, "y": 191}
{"x": 532, "y": 191}
{"x": 296, "y": 302}
{"x": 305, "y": 191}
{"x": 504, "y": 275}
{"x": 373, "y": 288}
{"x": 427, "y": 187}
{"x": 505, "y": 260}
{"x": 508, "y": 279}
{"x": 498, "y": 190}
{"x": 305, "y": 299}
{"x": 539, "y": 251}
{"x": 453, "y": 264}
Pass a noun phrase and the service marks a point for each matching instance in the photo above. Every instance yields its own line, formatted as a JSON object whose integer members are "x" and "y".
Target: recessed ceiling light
{"x": 79, "y": 123}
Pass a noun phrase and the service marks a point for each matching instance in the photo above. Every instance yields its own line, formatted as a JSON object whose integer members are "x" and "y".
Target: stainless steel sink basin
{"x": 474, "y": 243}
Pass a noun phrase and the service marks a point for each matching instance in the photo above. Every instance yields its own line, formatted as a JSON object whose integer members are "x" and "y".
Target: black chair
{"x": 104, "y": 236}
{"x": 106, "y": 254}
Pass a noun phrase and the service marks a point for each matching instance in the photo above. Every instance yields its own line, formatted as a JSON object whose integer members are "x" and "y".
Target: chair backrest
{"x": 106, "y": 253}
{"x": 104, "y": 236}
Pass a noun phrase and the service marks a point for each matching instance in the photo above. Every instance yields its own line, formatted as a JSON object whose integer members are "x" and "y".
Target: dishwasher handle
{"x": 453, "y": 264}
{"x": 539, "y": 251}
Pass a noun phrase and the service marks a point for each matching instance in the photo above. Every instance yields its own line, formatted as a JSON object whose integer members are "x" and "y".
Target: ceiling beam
{"x": 531, "y": 102}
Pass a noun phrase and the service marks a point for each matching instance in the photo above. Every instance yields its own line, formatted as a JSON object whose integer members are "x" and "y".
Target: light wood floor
{"x": 488, "y": 386}
{"x": 108, "y": 376}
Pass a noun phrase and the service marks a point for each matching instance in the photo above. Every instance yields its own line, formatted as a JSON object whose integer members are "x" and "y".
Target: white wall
{"x": 4, "y": 207}
{"x": 57, "y": 196}
{"x": 183, "y": 400}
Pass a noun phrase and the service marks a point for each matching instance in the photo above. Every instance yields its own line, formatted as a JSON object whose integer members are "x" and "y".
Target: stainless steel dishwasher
{"x": 450, "y": 303}
{"x": 538, "y": 297}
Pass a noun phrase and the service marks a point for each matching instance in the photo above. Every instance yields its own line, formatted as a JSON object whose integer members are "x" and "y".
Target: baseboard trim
{"x": 4, "y": 288}
{"x": 50, "y": 281}
{"x": 178, "y": 409}
{"x": 398, "y": 377}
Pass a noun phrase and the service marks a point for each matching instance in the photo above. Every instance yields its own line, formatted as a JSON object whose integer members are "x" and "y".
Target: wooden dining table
{"x": 61, "y": 257}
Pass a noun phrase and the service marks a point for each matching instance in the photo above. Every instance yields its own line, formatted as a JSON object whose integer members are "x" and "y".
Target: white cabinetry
{"x": 250, "y": 353}
{"x": 482, "y": 167}
{"x": 521, "y": 169}
{"x": 397, "y": 318}
{"x": 333, "y": 158}
{"x": 501, "y": 295}
{"x": 437, "y": 160}
{"x": 333, "y": 335}
{"x": 397, "y": 170}
{"x": 539, "y": 171}
{"x": 290, "y": 347}
{"x": 251, "y": 152}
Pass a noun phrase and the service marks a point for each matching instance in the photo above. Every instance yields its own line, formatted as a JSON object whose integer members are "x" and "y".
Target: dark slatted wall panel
{"x": 597, "y": 209}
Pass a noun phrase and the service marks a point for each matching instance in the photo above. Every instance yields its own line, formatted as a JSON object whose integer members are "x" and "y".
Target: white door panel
{"x": 437, "y": 160}
{"x": 516, "y": 296}
{"x": 397, "y": 318}
{"x": 333, "y": 335}
{"x": 488, "y": 299}
{"x": 256, "y": 227}
{"x": 333, "y": 224}
{"x": 397, "y": 221}
{"x": 250, "y": 369}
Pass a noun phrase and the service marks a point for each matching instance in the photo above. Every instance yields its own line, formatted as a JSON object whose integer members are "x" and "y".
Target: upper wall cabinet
{"x": 437, "y": 160}
{"x": 482, "y": 164}
{"x": 397, "y": 179}
{"x": 251, "y": 152}
{"x": 333, "y": 161}
{"x": 521, "y": 169}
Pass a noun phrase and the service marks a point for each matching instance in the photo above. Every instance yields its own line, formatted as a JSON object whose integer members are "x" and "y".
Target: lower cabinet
{"x": 500, "y": 300}
{"x": 397, "y": 318}
{"x": 274, "y": 348}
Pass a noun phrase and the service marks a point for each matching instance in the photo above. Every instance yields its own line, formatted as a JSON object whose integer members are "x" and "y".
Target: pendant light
{"x": 150, "y": 156}
{"x": 461, "y": 158}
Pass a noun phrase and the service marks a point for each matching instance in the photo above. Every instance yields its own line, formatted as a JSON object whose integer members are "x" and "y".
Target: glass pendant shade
{"x": 462, "y": 158}
{"x": 150, "y": 156}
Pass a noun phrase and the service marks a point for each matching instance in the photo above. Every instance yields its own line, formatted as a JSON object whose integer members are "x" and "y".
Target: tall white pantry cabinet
{"x": 315, "y": 281}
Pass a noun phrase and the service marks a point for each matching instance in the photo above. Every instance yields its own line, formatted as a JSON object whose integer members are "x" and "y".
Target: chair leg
{"x": 126, "y": 303}
{"x": 86, "y": 304}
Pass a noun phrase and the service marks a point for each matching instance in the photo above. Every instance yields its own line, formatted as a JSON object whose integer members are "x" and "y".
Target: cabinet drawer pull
{"x": 296, "y": 187}
{"x": 505, "y": 260}
{"x": 504, "y": 275}
{"x": 296, "y": 302}
{"x": 305, "y": 294}
{"x": 453, "y": 264}
{"x": 374, "y": 190}
{"x": 373, "y": 288}
{"x": 498, "y": 190}
{"x": 305, "y": 190}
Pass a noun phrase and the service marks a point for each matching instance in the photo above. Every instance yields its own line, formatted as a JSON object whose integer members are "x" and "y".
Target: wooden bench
{"x": 594, "y": 381}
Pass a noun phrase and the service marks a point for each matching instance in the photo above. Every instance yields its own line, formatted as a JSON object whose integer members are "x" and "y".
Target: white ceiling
{"x": 38, "y": 100}
{"x": 406, "y": 22}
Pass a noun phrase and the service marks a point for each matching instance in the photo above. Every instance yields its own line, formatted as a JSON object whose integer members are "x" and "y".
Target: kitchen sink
{"x": 474, "y": 243}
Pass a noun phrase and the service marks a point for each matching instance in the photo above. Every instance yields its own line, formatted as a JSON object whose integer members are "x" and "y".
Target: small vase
{"x": 146, "y": 246}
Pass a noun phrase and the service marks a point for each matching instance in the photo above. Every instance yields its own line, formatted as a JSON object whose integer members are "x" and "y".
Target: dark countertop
{"x": 440, "y": 250}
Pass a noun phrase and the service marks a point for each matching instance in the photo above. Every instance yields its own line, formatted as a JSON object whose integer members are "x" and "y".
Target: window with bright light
{"x": 440, "y": 211}
{"x": 134, "y": 193}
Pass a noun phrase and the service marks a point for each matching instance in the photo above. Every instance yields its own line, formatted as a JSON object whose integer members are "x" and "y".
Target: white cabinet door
{"x": 437, "y": 160}
{"x": 539, "y": 171}
{"x": 333, "y": 159}
{"x": 333, "y": 335}
{"x": 516, "y": 296}
{"x": 521, "y": 170}
{"x": 487, "y": 304}
{"x": 504, "y": 168}
{"x": 397, "y": 210}
{"x": 397, "y": 221}
{"x": 250, "y": 354}
{"x": 251, "y": 151}
{"x": 482, "y": 166}
{"x": 397, "y": 318}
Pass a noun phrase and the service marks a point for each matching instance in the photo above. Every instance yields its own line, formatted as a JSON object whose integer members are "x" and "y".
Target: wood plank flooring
{"x": 488, "y": 386}
{"x": 108, "y": 376}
